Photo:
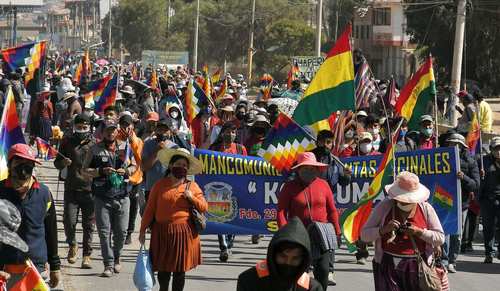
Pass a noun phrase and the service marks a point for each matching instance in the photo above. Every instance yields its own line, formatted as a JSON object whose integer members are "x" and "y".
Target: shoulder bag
{"x": 198, "y": 219}
{"x": 428, "y": 278}
{"x": 322, "y": 233}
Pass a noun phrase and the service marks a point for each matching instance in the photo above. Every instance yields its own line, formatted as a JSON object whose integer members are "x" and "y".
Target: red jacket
{"x": 292, "y": 202}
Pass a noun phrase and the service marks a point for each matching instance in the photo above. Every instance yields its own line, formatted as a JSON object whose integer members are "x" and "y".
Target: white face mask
{"x": 174, "y": 114}
{"x": 365, "y": 147}
{"x": 349, "y": 134}
{"x": 81, "y": 130}
{"x": 375, "y": 131}
{"x": 405, "y": 208}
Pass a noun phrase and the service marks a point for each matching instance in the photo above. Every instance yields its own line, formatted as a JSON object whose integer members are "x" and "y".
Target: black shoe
{"x": 224, "y": 256}
{"x": 128, "y": 240}
{"x": 488, "y": 260}
{"x": 255, "y": 239}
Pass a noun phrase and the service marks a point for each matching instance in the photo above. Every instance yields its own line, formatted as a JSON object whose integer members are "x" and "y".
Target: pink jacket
{"x": 433, "y": 235}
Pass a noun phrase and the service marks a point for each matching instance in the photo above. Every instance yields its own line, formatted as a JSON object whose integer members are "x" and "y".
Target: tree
{"x": 281, "y": 30}
{"x": 143, "y": 23}
{"x": 436, "y": 35}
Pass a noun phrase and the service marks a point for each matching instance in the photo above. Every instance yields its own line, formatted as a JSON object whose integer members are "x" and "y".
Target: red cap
{"x": 152, "y": 116}
{"x": 22, "y": 151}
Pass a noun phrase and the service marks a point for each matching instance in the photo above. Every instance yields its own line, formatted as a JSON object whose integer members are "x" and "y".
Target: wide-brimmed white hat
{"x": 195, "y": 165}
{"x": 407, "y": 189}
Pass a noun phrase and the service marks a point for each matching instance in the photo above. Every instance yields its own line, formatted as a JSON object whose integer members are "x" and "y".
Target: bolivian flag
{"x": 416, "y": 95}
{"x": 332, "y": 88}
{"x": 352, "y": 220}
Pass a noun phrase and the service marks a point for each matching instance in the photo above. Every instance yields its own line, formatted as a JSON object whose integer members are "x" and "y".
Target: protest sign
{"x": 308, "y": 65}
{"x": 242, "y": 192}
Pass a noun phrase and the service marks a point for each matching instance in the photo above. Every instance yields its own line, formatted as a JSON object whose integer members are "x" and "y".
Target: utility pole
{"x": 319, "y": 23}
{"x": 250, "y": 44}
{"x": 458, "y": 50}
{"x": 168, "y": 16}
{"x": 109, "y": 32}
{"x": 14, "y": 27}
{"x": 196, "y": 28}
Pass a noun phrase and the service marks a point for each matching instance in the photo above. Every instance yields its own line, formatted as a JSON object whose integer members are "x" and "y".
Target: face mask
{"x": 240, "y": 115}
{"x": 179, "y": 172}
{"x": 402, "y": 132}
{"x": 228, "y": 138}
{"x": 81, "y": 135}
{"x": 405, "y": 208}
{"x": 23, "y": 171}
{"x": 427, "y": 132}
{"x": 174, "y": 114}
{"x": 259, "y": 130}
{"x": 308, "y": 175}
{"x": 365, "y": 147}
{"x": 287, "y": 271}
{"x": 374, "y": 131}
{"x": 107, "y": 142}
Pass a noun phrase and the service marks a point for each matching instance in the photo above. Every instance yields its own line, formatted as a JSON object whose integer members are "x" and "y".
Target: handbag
{"x": 428, "y": 277}
{"x": 198, "y": 219}
{"x": 321, "y": 232}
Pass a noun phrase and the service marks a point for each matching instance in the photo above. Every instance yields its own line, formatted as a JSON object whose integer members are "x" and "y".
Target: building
{"x": 84, "y": 20}
{"x": 380, "y": 32}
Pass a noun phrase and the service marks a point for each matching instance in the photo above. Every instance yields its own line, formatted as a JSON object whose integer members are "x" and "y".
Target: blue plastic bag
{"x": 144, "y": 278}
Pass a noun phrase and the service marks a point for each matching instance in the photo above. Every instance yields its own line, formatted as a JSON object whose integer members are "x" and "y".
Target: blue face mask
{"x": 403, "y": 132}
{"x": 427, "y": 132}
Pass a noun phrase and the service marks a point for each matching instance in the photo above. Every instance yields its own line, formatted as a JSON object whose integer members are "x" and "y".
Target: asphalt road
{"x": 213, "y": 275}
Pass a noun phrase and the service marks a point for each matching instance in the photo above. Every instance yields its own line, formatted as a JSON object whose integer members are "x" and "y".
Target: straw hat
{"x": 308, "y": 159}
{"x": 195, "y": 165}
{"x": 407, "y": 189}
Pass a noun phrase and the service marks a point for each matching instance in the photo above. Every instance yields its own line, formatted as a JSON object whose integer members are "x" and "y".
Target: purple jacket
{"x": 433, "y": 235}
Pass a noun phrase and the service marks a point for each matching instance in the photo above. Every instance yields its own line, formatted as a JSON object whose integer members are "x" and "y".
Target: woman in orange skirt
{"x": 175, "y": 244}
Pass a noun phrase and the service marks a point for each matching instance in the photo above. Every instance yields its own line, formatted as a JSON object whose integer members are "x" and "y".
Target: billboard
{"x": 308, "y": 65}
{"x": 164, "y": 57}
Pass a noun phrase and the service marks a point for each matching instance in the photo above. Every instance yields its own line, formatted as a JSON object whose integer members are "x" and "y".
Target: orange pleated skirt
{"x": 175, "y": 247}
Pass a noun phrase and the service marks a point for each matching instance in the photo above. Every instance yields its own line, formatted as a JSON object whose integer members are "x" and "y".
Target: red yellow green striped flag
{"x": 443, "y": 198}
{"x": 416, "y": 95}
{"x": 352, "y": 220}
{"x": 332, "y": 88}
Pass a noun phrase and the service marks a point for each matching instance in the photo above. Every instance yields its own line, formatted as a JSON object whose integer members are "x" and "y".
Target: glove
{"x": 55, "y": 277}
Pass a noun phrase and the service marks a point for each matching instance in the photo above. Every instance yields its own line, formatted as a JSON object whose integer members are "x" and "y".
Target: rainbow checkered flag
{"x": 45, "y": 150}
{"x": 284, "y": 142}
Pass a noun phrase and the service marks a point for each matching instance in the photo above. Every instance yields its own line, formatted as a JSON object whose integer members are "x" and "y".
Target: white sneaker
{"x": 451, "y": 268}
{"x": 331, "y": 279}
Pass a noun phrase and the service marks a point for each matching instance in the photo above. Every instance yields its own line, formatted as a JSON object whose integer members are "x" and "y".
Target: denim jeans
{"x": 73, "y": 202}
{"x": 451, "y": 246}
{"x": 112, "y": 217}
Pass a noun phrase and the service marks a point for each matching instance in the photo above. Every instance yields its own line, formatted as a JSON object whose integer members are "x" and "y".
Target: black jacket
{"x": 471, "y": 180}
{"x": 264, "y": 276}
{"x": 76, "y": 150}
{"x": 333, "y": 175}
{"x": 490, "y": 186}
